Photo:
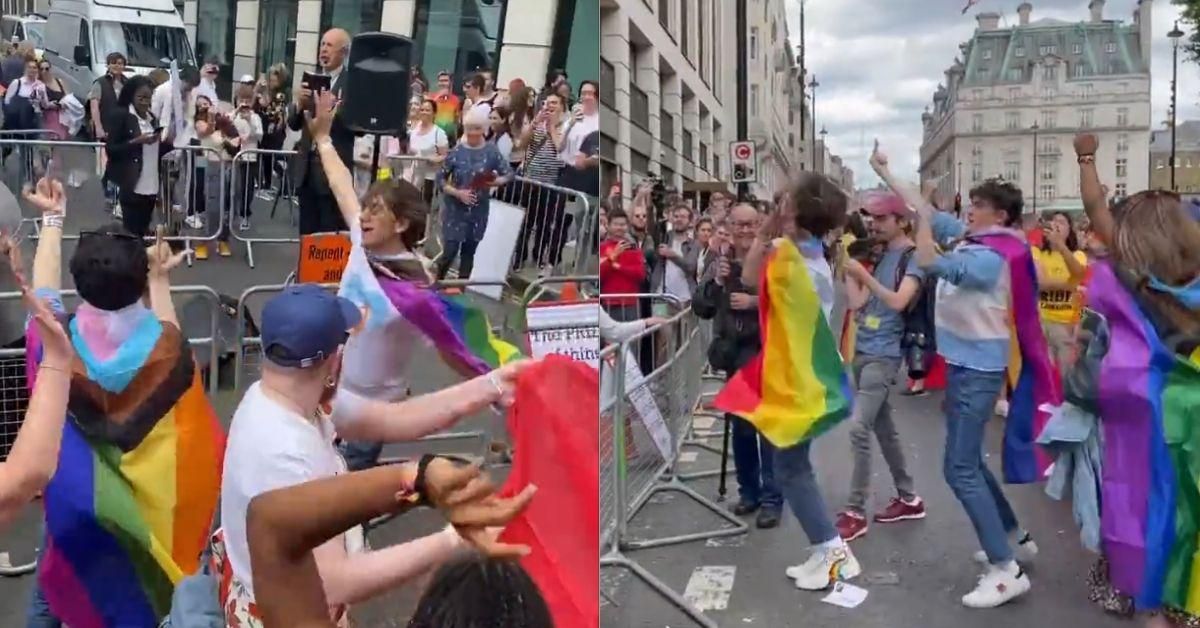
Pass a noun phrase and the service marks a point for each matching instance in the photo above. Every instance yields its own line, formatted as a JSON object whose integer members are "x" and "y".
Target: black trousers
{"x": 137, "y": 210}
{"x": 463, "y": 250}
{"x": 319, "y": 212}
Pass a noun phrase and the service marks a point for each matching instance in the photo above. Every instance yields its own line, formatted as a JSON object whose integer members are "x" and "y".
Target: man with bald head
{"x": 318, "y": 210}
{"x": 733, "y": 307}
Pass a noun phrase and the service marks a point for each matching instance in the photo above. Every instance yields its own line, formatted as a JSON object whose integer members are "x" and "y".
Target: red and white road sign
{"x": 743, "y": 158}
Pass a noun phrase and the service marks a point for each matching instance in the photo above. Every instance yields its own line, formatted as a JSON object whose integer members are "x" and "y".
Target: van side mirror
{"x": 82, "y": 56}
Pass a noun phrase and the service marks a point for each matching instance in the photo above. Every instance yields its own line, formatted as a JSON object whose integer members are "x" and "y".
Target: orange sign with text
{"x": 323, "y": 257}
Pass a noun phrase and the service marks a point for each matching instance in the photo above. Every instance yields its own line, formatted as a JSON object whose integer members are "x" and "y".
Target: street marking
{"x": 5, "y": 562}
{"x": 688, "y": 456}
{"x": 727, "y": 541}
{"x": 703, "y": 422}
{"x": 709, "y": 587}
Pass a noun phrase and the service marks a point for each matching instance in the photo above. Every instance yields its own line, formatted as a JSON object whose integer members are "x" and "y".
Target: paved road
{"x": 919, "y": 569}
{"x": 231, "y": 276}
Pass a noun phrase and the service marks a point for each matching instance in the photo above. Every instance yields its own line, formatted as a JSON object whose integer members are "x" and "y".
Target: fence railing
{"x": 558, "y": 230}
{"x": 649, "y": 391}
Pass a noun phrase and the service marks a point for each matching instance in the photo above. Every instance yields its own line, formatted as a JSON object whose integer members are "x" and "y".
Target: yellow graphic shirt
{"x": 1058, "y": 306}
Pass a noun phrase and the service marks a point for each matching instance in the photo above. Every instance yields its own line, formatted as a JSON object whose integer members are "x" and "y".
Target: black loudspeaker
{"x": 375, "y": 96}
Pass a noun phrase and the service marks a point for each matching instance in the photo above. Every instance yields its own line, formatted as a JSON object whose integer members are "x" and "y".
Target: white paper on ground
{"x": 688, "y": 456}
{"x": 703, "y": 422}
{"x": 709, "y": 587}
{"x": 845, "y": 595}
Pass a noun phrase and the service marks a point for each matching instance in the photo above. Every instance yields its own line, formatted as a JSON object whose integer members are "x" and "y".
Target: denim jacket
{"x": 1073, "y": 438}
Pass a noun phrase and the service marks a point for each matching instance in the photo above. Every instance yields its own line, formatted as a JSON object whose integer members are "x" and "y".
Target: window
{"x": 1077, "y": 49}
{"x": 214, "y": 39}
{"x": 754, "y": 100}
{"x": 1049, "y": 168}
{"x": 1086, "y": 90}
{"x": 983, "y": 72}
{"x": 1047, "y": 191}
{"x": 977, "y": 151}
{"x": 1080, "y": 70}
{"x": 687, "y": 145}
{"x": 1110, "y": 47}
{"x": 1122, "y": 116}
{"x": 977, "y": 122}
{"x": 1014, "y": 94}
{"x": 1048, "y": 147}
{"x": 1121, "y": 190}
{"x": 1012, "y": 120}
{"x": 356, "y": 16}
{"x": 1159, "y": 165}
{"x": 1122, "y": 167}
{"x": 1122, "y": 143}
{"x": 1012, "y": 170}
{"x": 1049, "y": 91}
{"x": 1019, "y": 51}
{"x": 754, "y": 43}
{"x": 147, "y": 44}
{"x": 1050, "y": 73}
{"x": 1187, "y": 163}
{"x": 976, "y": 172}
{"x": 1085, "y": 118}
{"x": 1049, "y": 120}
{"x": 1048, "y": 49}
{"x": 703, "y": 155}
{"x": 664, "y": 14}
{"x": 461, "y": 36}
{"x": 276, "y": 34}
{"x": 1014, "y": 74}
{"x": 987, "y": 54}
{"x": 685, "y": 29}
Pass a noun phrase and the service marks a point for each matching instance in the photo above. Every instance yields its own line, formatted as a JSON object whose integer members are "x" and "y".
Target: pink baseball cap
{"x": 881, "y": 204}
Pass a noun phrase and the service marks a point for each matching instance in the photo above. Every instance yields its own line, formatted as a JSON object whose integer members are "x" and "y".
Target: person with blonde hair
{"x": 469, "y": 173}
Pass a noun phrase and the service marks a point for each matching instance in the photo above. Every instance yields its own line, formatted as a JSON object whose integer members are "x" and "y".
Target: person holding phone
{"x": 470, "y": 172}
{"x": 250, "y": 132}
{"x": 544, "y": 207}
{"x": 134, "y": 150}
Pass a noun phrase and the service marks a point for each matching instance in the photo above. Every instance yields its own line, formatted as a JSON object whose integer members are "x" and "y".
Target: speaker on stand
{"x": 375, "y": 96}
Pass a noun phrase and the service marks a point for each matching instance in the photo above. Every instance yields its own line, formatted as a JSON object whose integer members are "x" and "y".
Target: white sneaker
{"x": 1024, "y": 553}
{"x": 116, "y": 212}
{"x": 194, "y": 221}
{"x": 1002, "y": 408}
{"x": 823, "y": 567}
{"x": 997, "y": 586}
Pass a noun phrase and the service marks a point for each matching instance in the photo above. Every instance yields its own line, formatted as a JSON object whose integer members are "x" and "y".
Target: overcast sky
{"x": 878, "y": 68}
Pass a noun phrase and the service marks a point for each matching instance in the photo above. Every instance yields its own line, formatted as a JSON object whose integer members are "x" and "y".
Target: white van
{"x": 80, "y": 34}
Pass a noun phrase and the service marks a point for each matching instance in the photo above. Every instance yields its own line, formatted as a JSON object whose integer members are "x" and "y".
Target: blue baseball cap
{"x": 305, "y": 324}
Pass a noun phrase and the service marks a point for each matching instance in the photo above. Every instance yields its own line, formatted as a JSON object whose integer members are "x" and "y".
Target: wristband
{"x": 419, "y": 483}
{"x": 325, "y": 141}
{"x": 52, "y": 220}
{"x": 491, "y": 377}
{"x": 1087, "y": 159}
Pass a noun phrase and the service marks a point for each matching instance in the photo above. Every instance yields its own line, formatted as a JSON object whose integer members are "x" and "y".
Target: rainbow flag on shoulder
{"x": 797, "y": 387}
{"x": 130, "y": 507}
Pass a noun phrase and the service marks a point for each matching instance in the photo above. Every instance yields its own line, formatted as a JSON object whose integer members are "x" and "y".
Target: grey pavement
{"x": 915, "y": 572}
{"x": 231, "y": 276}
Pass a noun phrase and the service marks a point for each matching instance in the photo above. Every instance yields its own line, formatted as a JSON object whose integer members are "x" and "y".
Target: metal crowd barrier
{"x": 633, "y": 469}
{"x": 550, "y": 226}
{"x": 14, "y": 392}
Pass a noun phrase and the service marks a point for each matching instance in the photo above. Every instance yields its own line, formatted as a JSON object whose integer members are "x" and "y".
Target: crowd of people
{"x": 1020, "y": 313}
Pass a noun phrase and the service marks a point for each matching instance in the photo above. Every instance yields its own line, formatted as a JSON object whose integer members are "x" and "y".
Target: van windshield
{"x": 35, "y": 34}
{"x": 143, "y": 45}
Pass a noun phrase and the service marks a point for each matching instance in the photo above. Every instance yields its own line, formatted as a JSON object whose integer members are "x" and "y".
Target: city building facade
{"x": 248, "y": 36}
{"x": 1187, "y": 158}
{"x": 667, "y": 93}
{"x": 1012, "y": 104}
{"x": 776, "y": 97}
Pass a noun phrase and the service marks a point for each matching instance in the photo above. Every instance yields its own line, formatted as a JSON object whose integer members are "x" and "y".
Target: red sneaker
{"x": 851, "y": 525}
{"x": 901, "y": 510}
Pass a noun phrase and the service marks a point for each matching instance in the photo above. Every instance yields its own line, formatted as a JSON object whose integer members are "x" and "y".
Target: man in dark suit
{"x": 318, "y": 209}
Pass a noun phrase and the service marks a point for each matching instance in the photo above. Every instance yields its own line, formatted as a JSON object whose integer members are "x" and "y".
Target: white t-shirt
{"x": 576, "y": 133}
{"x": 425, "y": 145}
{"x": 675, "y": 281}
{"x": 505, "y": 145}
{"x": 377, "y": 357}
{"x": 271, "y": 447}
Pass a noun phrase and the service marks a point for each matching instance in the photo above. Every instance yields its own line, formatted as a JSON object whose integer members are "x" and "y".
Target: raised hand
{"x": 505, "y": 380}
{"x": 320, "y": 124}
{"x": 879, "y": 160}
{"x": 48, "y": 196}
{"x": 1086, "y": 144}
{"x": 161, "y": 259}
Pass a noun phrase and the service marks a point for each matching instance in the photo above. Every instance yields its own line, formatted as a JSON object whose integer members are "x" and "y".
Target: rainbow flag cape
{"x": 1033, "y": 382}
{"x": 1148, "y": 400}
{"x": 139, "y": 472}
{"x": 796, "y": 388}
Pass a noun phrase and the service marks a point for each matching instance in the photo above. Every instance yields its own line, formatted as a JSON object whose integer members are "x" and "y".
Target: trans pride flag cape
{"x": 456, "y": 328}
{"x": 797, "y": 387}
{"x": 1149, "y": 400}
{"x": 139, "y": 472}
{"x": 1033, "y": 382}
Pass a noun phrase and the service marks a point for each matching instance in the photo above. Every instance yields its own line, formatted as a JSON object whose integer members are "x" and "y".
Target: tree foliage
{"x": 1190, "y": 27}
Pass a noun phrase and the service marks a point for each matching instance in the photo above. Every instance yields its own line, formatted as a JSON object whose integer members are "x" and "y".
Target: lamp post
{"x": 812, "y": 88}
{"x": 958, "y": 180}
{"x": 1035, "y": 153}
{"x": 1175, "y": 35}
{"x": 823, "y": 149}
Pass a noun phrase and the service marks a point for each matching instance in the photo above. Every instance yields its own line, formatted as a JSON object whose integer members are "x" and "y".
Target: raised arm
{"x": 359, "y": 418}
{"x": 158, "y": 283}
{"x": 286, "y": 534}
{"x": 34, "y": 455}
{"x": 1090, "y": 188}
{"x": 48, "y": 198}
{"x": 879, "y": 163}
{"x": 341, "y": 181}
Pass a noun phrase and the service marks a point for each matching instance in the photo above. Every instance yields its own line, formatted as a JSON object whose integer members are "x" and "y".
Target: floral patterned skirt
{"x": 1101, "y": 591}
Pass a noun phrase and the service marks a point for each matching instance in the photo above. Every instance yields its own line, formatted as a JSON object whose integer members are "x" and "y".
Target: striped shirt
{"x": 542, "y": 163}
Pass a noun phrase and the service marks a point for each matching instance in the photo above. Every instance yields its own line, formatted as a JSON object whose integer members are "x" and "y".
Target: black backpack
{"x": 918, "y": 344}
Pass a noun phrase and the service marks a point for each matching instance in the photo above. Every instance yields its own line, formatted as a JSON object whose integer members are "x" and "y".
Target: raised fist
{"x": 1086, "y": 144}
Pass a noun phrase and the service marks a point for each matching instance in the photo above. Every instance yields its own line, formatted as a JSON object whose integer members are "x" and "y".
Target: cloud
{"x": 878, "y": 63}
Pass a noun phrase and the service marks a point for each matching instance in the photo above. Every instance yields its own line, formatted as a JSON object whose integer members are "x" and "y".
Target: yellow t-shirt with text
{"x": 1058, "y": 306}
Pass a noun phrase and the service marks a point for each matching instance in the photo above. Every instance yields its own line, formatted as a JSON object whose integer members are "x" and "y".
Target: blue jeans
{"x": 799, "y": 484}
{"x": 38, "y": 615}
{"x": 754, "y": 457}
{"x": 360, "y": 455}
{"x": 970, "y": 401}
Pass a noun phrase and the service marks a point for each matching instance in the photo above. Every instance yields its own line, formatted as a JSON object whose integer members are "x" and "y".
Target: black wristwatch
{"x": 422, "y": 466}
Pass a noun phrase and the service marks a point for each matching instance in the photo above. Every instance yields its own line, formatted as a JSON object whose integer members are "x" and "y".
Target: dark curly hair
{"x": 479, "y": 592}
{"x": 1002, "y": 195}
{"x": 820, "y": 205}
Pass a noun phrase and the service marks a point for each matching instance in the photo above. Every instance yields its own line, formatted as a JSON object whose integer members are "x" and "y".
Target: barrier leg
{"x": 616, "y": 559}
{"x": 673, "y": 484}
